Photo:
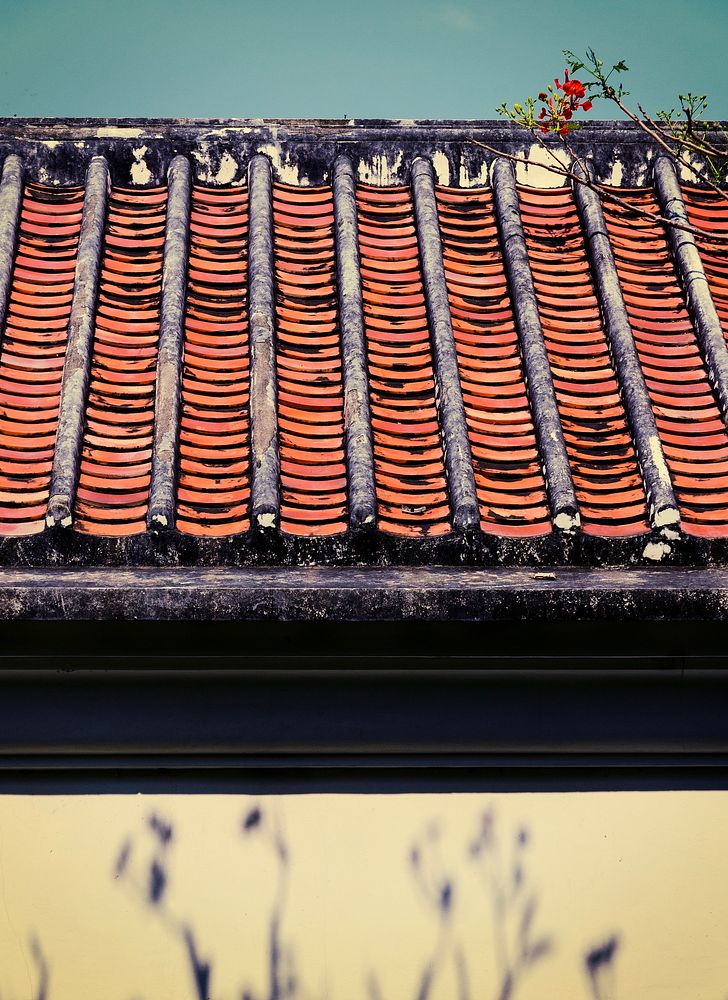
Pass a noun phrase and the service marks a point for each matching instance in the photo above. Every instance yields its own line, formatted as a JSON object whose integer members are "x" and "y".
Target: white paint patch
{"x": 222, "y": 132}
{"x": 227, "y": 168}
{"x": 116, "y": 132}
{"x": 379, "y": 170}
{"x": 567, "y": 522}
{"x": 685, "y": 171}
{"x": 478, "y": 179}
{"x": 266, "y": 520}
{"x": 65, "y": 521}
{"x": 666, "y": 517}
{"x": 80, "y": 145}
{"x": 285, "y": 170}
{"x": 617, "y": 174}
{"x": 51, "y": 143}
{"x": 160, "y": 519}
{"x": 441, "y": 166}
{"x": 534, "y": 171}
{"x": 656, "y": 551}
{"x": 140, "y": 172}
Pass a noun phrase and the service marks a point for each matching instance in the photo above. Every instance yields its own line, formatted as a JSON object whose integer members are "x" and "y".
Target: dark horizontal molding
{"x": 57, "y": 774}
{"x": 241, "y": 718}
{"x": 363, "y": 594}
{"x": 603, "y": 130}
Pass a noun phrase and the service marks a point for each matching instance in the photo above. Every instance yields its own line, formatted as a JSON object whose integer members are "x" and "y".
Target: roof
{"x": 233, "y": 342}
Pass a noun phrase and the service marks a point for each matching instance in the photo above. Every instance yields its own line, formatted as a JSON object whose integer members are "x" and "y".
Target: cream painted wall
{"x": 650, "y": 867}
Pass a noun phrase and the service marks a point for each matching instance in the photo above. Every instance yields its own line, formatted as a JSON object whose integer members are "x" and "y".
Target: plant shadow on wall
{"x": 40, "y": 964}
{"x": 500, "y": 864}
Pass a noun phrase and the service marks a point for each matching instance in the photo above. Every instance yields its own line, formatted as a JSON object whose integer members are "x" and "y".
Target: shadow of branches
{"x": 499, "y": 862}
{"x": 495, "y": 859}
{"x": 600, "y": 964}
{"x": 151, "y": 887}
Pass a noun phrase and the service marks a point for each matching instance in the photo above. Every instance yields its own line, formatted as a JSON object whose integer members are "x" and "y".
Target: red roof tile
{"x": 32, "y": 352}
{"x": 116, "y": 457}
{"x": 692, "y": 431}
{"x": 509, "y": 480}
{"x": 408, "y": 456}
{"x": 604, "y": 467}
{"x": 213, "y": 487}
{"x": 309, "y": 369}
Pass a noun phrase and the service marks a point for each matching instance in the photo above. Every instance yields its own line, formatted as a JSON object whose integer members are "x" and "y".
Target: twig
{"x": 657, "y": 138}
{"x": 700, "y": 173}
{"x": 699, "y": 145}
{"x": 604, "y": 192}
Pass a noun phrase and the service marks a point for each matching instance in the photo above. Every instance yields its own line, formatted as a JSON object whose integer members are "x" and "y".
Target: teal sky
{"x": 327, "y": 59}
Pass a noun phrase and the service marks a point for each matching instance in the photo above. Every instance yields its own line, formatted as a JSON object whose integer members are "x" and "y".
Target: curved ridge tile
{"x": 601, "y": 452}
{"x": 693, "y": 435}
{"x": 409, "y": 465}
{"x": 508, "y": 475}
{"x": 116, "y": 455}
{"x": 308, "y": 362}
{"x": 213, "y": 491}
{"x": 33, "y": 351}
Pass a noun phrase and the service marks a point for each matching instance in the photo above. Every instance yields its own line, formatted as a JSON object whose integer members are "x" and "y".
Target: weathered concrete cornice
{"x": 303, "y": 150}
{"x": 329, "y": 594}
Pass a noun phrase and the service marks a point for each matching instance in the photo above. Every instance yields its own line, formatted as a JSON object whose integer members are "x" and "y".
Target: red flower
{"x": 559, "y": 108}
{"x": 574, "y": 88}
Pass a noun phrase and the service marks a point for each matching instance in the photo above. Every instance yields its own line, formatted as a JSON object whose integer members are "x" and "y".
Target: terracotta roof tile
{"x": 33, "y": 350}
{"x": 309, "y": 367}
{"x": 213, "y": 490}
{"x": 116, "y": 456}
{"x": 693, "y": 433}
{"x": 385, "y": 419}
{"x": 408, "y": 454}
{"x": 509, "y": 480}
{"x": 604, "y": 467}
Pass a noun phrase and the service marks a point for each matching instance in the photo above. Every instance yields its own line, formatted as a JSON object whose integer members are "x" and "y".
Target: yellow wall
{"x": 650, "y": 867}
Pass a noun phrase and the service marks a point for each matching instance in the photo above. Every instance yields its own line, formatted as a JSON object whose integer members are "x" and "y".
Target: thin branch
{"x": 697, "y": 144}
{"x": 642, "y": 123}
{"x": 561, "y": 170}
{"x": 692, "y": 137}
{"x": 604, "y": 192}
{"x": 700, "y": 173}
